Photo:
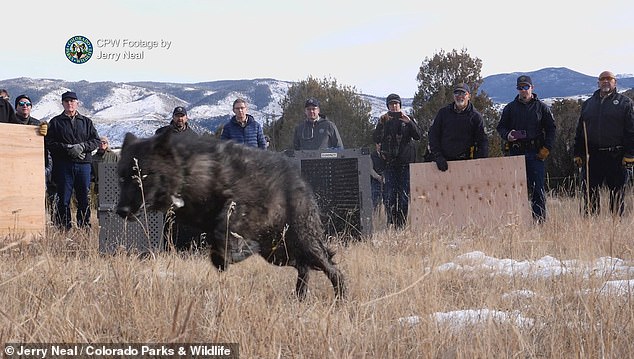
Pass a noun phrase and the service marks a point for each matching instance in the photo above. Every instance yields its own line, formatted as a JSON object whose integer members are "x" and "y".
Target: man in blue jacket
{"x": 71, "y": 138}
{"x": 243, "y": 128}
{"x": 529, "y": 127}
{"x": 605, "y": 133}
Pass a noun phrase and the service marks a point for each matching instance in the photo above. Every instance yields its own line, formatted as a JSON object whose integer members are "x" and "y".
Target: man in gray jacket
{"x": 316, "y": 132}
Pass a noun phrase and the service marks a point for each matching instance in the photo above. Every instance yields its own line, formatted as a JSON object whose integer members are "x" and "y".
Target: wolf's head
{"x": 149, "y": 174}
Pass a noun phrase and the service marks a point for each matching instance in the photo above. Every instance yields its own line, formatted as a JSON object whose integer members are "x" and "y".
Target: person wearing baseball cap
{"x": 178, "y": 124}
{"x": 604, "y": 144}
{"x": 316, "y": 132}
{"x": 528, "y": 128}
{"x": 395, "y": 134}
{"x": 457, "y": 132}
{"x": 71, "y": 138}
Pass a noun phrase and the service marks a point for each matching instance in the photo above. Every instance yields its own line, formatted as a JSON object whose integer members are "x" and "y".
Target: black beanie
{"x": 17, "y": 99}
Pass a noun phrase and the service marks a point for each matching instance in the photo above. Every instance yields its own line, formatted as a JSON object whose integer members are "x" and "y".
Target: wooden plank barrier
{"x": 22, "y": 182}
{"x": 481, "y": 192}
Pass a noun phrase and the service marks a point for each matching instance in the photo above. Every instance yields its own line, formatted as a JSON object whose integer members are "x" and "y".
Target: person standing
{"x": 177, "y": 234}
{"x": 178, "y": 125}
{"x": 23, "y": 107}
{"x": 395, "y": 133}
{"x": 103, "y": 155}
{"x": 316, "y": 132}
{"x": 71, "y": 138}
{"x": 605, "y": 135}
{"x": 529, "y": 127}
{"x": 7, "y": 113}
{"x": 457, "y": 132}
{"x": 243, "y": 128}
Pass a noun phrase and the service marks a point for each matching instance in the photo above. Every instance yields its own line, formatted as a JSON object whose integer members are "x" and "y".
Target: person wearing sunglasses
{"x": 23, "y": 107}
{"x": 604, "y": 144}
{"x": 457, "y": 132}
{"x": 528, "y": 127}
{"x": 316, "y": 132}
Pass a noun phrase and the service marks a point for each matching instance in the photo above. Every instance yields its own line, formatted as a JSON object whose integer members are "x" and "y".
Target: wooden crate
{"x": 22, "y": 182}
{"x": 481, "y": 192}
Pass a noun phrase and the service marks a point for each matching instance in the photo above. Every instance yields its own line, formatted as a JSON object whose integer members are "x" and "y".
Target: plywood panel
{"x": 488, "y": 191}
{"x": 22, "y": 183}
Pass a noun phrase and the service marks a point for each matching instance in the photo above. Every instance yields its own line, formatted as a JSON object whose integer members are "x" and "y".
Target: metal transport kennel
{"x": 117, "y": 234}
{"x": 341, "y": 182}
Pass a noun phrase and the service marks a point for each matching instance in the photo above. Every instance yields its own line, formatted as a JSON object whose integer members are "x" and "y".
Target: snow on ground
{"x": 545, "y": 267}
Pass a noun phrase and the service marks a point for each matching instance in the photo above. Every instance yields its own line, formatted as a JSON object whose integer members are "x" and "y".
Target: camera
{"x": 395, "y": 115}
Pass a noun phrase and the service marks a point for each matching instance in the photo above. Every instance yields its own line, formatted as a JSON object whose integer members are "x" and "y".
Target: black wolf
{"x": 247, "y": 200}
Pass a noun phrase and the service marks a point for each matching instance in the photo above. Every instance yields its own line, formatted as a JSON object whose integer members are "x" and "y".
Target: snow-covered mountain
{"x": 142, "y": 107}
{"x": 552, "y": 82}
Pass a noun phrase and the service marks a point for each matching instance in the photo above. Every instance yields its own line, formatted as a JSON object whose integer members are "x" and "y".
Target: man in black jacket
{"x": 395, "y": 133}
{"x": 529, "y": 127}
{"x": 71, "y": 138}
{"x": 176, "y": 234}
{"x": 23, "y": 107}
{"x": 457, "y": 132}
{"x": 607, "y": 124}
{"x": 178, "y": 125}
{"x": 7, "y": 114}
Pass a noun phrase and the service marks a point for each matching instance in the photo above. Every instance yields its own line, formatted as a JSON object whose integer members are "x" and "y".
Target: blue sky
{"x": 375, "y": 46}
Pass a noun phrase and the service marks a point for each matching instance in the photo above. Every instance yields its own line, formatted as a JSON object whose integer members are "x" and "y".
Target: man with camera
{"x": 395, "y": 133}
{"x": 529, "y": 127}
{"x": 457, "y": 132}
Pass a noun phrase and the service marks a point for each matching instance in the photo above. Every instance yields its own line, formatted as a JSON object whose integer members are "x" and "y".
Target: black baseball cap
{"x": 69, "y": 94}
{"x": 311, "y": 102}
{"x": 524, "y": 80}
{"x": 462, "y": 87}
{"x": 180, "y": 110}
{"x": 17, "y": 99}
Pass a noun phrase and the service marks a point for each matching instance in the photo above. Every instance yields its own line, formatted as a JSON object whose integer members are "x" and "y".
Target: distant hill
{"x": 142, "y": 107}
{"x": 548, "y": 82}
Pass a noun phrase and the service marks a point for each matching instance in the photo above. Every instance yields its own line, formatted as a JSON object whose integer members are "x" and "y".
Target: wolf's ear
{"x": 129, "y": 139}
{"x": 162, "y": 144}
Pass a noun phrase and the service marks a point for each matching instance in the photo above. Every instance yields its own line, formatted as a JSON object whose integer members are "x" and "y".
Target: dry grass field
{"x": 411, "y": 295}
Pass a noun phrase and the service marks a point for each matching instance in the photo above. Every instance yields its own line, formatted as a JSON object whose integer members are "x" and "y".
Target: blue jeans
{"x": 377, "y": 193}
{"x": 396, "y": 194}
{"x": 69, "y": 176}
{"x": 535, "y": 177}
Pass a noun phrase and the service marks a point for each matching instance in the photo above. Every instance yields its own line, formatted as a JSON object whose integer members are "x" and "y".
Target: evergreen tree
{"x": 560, "y": 168}
{"x": 437, "y": 77}
{"x": 339, "y": 103}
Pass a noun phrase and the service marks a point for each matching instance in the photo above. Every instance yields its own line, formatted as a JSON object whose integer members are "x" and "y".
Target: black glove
{"x": 76, "y": 150}
{"x": 441, "y": 163}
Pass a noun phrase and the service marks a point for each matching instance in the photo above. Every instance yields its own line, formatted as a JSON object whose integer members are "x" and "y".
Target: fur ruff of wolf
{"x": 247, "y": 200}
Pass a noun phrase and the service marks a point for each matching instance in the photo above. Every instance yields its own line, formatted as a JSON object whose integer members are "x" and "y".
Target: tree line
{"x": 436, "y": 79}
